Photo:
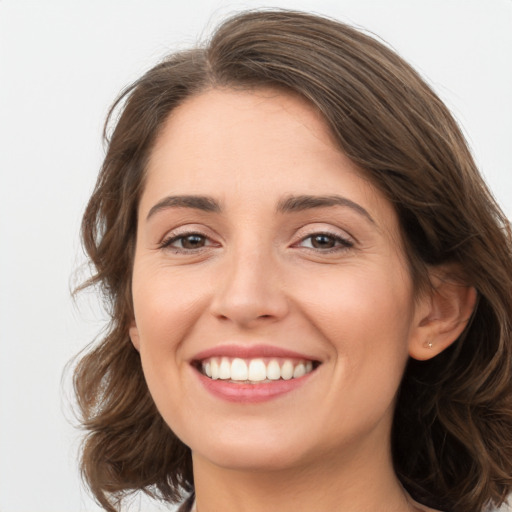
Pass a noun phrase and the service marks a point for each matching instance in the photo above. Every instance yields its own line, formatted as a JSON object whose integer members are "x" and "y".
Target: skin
{"x": 256, "y": 277}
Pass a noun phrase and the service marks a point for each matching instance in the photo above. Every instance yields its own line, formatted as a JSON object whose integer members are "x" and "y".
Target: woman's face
{"x": 262, "y": 253}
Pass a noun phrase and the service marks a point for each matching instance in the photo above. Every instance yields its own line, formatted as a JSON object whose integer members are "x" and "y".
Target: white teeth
{"x": 254, "y": 370}
{"x": 299, "y": 371}
{"x": 225, "y": 369}
{"x": 214, "y": 368}
{"x": 257, "y": 370}
{"x": 273, "y": 370}
{"x": 239, "y": 370}
{"x": 287, "y": 370}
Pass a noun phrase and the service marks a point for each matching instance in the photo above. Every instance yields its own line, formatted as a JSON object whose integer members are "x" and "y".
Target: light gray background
{"x": 61, "y": 65}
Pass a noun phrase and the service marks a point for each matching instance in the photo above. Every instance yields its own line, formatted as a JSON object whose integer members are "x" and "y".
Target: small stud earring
{"x": 428, "y": 344}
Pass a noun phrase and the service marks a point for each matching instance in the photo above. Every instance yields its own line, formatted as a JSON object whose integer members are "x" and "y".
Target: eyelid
{"x": 317, "y": 228}
{"x": 168, "y": 241}
{"x": 343, "y": 243}
{"x": 184, "y": 231}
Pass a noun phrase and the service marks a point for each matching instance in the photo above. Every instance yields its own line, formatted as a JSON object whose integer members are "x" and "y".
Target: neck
{"x": 358, "y": 483}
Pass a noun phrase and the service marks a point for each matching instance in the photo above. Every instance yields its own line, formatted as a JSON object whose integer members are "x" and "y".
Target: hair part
{"x": 452, "y": 434}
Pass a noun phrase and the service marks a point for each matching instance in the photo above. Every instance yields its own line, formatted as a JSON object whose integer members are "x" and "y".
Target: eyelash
{"x": 167, "y": 242}
{"x": 343, "y": 244}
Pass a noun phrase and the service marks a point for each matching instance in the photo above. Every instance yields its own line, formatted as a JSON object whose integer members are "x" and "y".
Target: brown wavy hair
{"x": 452, "y": 432}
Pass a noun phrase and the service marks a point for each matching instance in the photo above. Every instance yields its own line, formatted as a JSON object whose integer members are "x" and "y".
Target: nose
{"x": 249, "y": 290}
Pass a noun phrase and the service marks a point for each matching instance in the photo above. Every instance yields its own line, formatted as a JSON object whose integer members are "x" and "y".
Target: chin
{"x": 254, "y": 459}
{"x": 251, "y": 452}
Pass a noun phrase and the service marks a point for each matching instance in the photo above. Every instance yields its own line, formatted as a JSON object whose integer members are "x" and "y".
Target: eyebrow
{"x": 203, "y": 203}
{"x": 307, "y": 202}
{"x": 287, "y": 205}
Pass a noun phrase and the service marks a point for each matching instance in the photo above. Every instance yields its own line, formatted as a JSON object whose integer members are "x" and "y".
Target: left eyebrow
{"x": 307, "y": 202}
{"x": 204, "y": 203}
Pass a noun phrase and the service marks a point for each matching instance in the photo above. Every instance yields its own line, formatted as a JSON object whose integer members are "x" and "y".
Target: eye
{"x": 325, "y": 242}
{"x": 187, "y": 242}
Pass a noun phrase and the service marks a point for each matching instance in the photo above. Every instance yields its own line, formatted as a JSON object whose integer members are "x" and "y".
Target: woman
{"x": 311, "y": 286}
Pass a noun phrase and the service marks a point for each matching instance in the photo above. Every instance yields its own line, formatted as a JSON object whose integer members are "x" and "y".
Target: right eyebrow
{"x": 308, "y": 202}
{"x": 204, "y": 203}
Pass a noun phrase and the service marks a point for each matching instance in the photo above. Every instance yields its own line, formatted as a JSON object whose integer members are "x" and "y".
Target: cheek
{"x": 167, "y": 305}
{"x": 359, "y": 299}
{"x": 365, "y": 316}
{"x": 165, "y": 312}
{"x": 366, "y": 319}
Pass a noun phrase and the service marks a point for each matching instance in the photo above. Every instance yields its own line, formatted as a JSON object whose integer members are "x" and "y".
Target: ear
{"x": 133, "y": 331}
{"x": 442, "y": 315}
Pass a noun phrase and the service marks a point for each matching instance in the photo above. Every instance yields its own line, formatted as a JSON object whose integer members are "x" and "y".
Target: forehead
{"x": 228, "y": 107}
{"x": 253, "y": 146}
{"x": 234, "y": 124}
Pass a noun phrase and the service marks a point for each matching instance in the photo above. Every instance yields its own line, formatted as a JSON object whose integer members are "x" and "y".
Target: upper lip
{"x": 250, "y": 352}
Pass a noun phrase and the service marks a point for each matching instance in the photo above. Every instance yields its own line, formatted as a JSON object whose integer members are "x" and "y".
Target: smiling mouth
{"x": 255, "y": 370}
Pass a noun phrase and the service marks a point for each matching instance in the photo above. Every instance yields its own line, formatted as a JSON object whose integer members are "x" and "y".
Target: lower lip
{"x": 251, "y": 393}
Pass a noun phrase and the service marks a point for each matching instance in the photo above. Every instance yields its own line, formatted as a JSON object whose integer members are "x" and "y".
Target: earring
{"x": 428, "y": 344}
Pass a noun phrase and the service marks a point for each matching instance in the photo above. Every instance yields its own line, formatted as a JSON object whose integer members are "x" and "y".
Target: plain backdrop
{"x": 61, "y": 64}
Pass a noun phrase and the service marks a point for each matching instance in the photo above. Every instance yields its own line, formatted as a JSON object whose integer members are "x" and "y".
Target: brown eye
{"x": 325, "y": 242}
{"x": 187, "y": 242}
{"x": 322, "y": 241}
{"x": 191, "y": 241}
